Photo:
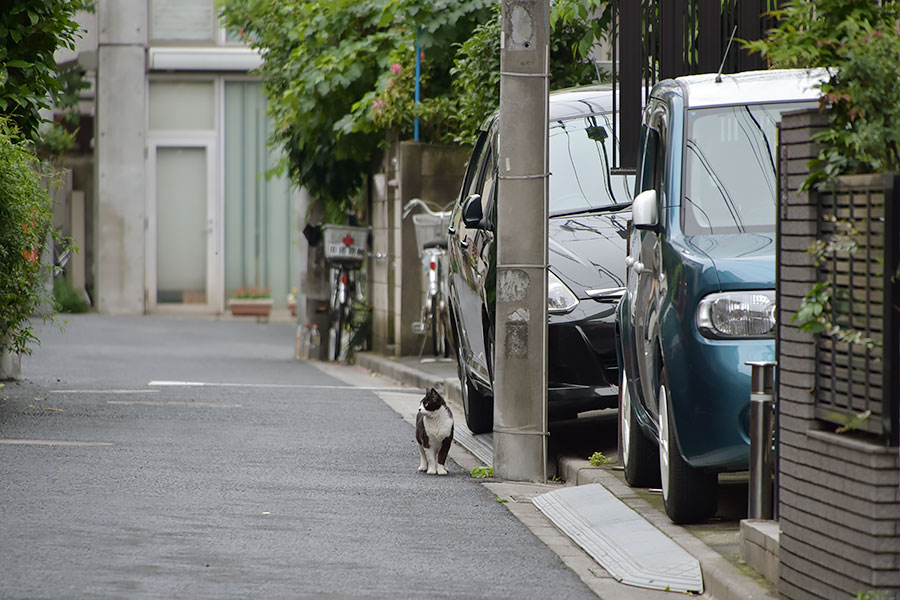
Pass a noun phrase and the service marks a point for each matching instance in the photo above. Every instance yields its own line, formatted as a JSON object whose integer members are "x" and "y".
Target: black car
{"x": 589, "y": 213}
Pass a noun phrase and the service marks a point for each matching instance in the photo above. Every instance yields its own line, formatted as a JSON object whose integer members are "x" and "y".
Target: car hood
{"x": 588, "y": 251}
{"x": 742, "y": 260}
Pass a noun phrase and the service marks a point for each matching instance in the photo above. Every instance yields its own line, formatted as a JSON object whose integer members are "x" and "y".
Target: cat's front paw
{"x": 432, "y": 471}
{"x": 441, "y": 470}
{"x": 422, "y": 467}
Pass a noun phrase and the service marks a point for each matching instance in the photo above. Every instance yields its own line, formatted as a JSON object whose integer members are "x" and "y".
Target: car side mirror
{"x": 644, "y": 211}
{"x": 473, "y": 215}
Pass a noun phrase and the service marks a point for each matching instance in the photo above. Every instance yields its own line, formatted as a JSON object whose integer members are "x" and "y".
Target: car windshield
{"x": 729, "y": 169}
{"x": 580, "y": 155}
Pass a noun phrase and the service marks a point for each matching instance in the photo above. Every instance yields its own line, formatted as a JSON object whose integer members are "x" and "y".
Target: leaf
{"x": 19, "y": 64}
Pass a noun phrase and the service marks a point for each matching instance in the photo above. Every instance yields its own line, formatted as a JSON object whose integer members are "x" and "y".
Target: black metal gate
{"x": 660, "y": 39}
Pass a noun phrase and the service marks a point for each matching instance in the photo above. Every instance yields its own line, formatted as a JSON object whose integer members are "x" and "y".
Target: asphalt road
{"x": 118, "y": 479}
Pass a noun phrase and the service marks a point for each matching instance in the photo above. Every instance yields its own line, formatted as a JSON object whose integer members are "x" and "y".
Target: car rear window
{"x": 580, "y": 155}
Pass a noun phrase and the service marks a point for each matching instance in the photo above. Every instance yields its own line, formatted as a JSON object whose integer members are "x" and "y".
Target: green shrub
{"x": 68, "y": 300}
{"x": 25, "y": 215}
{"x": 857, "y": 41}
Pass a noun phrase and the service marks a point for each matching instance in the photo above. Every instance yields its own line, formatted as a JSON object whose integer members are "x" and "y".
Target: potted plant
{"x": 251, "y": 302}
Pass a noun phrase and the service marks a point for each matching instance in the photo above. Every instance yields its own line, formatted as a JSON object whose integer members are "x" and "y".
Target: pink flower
{"x": 396, "y": 68}
{"x": 377, "y": 104}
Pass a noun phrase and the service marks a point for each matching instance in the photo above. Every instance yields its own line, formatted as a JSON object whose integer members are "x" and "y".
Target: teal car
{"x": 700, "y": 283}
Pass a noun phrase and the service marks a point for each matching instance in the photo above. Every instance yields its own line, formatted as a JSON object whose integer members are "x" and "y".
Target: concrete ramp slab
{"x": 623, "y": 542}
{"x": 481, "y": 446}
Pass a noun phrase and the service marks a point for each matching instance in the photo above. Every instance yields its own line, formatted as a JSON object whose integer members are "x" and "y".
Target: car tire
{"x": 640, "y": 458}
{"x": 437, "y": 332}
{"x": 689, "y": 494}
{"x": 478, "y": 408}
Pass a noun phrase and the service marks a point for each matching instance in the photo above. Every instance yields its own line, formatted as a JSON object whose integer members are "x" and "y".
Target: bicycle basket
{"x": 344, "y": 243}
{"x": 430, "y": 228}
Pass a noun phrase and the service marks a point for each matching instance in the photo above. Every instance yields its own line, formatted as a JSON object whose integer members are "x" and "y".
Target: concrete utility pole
{"x": 520, "y": 372}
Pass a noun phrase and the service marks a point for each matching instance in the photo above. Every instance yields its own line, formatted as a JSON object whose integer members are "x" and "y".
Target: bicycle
{"x": 431, "y": 239}
{"x": 345, "y": 250}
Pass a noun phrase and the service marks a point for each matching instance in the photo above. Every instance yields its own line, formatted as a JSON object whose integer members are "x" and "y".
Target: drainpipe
{"x": 418, "y": 83}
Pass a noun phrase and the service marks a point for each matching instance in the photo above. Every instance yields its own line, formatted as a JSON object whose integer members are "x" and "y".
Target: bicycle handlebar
{"x": 407, "y": 208}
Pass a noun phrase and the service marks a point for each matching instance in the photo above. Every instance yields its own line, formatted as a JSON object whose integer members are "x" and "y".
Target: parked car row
{"x": 589, "y": 213}
{"x": 656, "y": 304}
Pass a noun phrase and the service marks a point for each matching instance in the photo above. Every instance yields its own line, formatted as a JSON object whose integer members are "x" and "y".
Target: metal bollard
{"x": 760, "y": 503}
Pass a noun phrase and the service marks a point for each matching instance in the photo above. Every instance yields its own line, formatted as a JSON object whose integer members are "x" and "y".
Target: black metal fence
{"x": 857, "y": 380}
{"x": 659, "y": 39}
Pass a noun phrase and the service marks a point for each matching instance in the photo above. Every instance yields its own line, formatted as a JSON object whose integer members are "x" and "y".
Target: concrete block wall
{"x": 408, "y": 170}
{"x": 839, "y": 497}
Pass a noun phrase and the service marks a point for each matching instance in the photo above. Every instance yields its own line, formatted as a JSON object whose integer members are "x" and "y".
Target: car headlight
{"x": 737, "y": 315}
{"x": 560, "y": 298}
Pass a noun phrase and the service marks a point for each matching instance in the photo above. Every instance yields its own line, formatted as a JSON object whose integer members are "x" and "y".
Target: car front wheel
{"x": 689, "y": 494}
{"x": 639, "y": 456}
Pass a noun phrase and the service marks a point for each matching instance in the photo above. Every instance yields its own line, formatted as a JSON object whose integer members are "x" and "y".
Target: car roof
{"x": 573, "y": 102}
{"x": 580, "y": 101}
{"x": 750, "y": 87}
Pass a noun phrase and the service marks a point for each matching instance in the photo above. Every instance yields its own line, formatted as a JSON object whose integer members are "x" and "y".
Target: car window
{"x": 729, "y": 168}
{"x": 489, "y": 178}
{"x": 580, "y": 154}
{"x": 471, "y": 183}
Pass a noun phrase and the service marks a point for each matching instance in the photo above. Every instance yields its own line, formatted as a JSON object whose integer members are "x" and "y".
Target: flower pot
{"x": 251, "y": 307}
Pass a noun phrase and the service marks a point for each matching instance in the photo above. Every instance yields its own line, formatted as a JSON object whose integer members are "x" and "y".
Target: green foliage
{"x": 25, "y": 216}
{"x": 863, "y": 133}
{"x": 858, "y": 42}
{"x": 68, "y": 300}
{"x": 30, "y": 33}
{"x": 483, "y": 472}
{"x": 248, "y": 293}
{"x": 324, "y": 62}
{"x": 339, "y": 75}
{"x": 598, "y": 459}
{"x": 575, "y": 27}
{"x": 823, "y": 307}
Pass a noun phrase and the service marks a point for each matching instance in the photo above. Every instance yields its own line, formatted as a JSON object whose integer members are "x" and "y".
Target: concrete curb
{"x": 722, "y": 580}
{"x": 448, "y": 386}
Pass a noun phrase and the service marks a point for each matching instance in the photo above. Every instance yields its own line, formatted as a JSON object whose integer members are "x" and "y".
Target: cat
{"x": 434, "y": 433}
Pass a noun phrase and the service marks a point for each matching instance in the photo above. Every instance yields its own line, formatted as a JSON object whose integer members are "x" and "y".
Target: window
{"x": 729, "y": 168}
{"x": 182, "y": 20}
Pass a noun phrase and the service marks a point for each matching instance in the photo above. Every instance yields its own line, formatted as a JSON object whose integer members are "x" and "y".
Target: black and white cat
{"x": 434, "y": 432}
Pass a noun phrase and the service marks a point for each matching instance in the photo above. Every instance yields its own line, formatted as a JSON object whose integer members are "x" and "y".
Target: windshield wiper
{"x": 591, "y": 210}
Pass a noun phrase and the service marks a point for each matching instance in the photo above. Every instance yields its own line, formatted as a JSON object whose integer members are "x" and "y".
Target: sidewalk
{"x": 716, "y": 545}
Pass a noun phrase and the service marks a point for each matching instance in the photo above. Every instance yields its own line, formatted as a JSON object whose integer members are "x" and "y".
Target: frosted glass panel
{"x": 182, "y": 20}
{"x": 182, "y": 105}
{"x": 181, "y": 233}
{"x": 258, "y": 215}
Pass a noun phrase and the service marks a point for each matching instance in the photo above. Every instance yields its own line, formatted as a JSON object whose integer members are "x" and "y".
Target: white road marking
{"x": 104, "y": 391}
{"x": 172, "y": 403}
{"x": 298, "y": 386}
{"x": 51, "y": 443}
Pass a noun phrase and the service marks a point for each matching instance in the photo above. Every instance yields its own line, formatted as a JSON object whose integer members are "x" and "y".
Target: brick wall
{"x": 839, "y": 495}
